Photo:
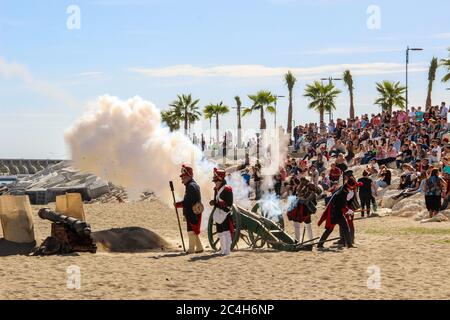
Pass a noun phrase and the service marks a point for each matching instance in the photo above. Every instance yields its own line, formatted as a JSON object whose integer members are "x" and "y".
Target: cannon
{"x": 80, "y": 227}
{"x": 257, "y": 230}
{"x": 67, "y": 235}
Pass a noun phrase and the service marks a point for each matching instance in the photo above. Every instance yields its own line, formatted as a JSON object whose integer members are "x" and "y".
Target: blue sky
{"x": 213, "y": 49}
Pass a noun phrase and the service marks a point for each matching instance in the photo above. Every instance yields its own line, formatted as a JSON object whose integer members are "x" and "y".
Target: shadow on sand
{"x": 8, "y": 248}
{"x": 205, "y": 257}
{"x": 194, "y": 257}
{"x": 170, "y": 255}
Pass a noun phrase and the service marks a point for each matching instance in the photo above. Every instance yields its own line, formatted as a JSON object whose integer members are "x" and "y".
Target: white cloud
{"x": 47, "y": 89}
{"x": 442, "y": 36}
{"x": 350, "y": 50}
{"x": 89, "y": 74}
{"x": 255, "y": 71}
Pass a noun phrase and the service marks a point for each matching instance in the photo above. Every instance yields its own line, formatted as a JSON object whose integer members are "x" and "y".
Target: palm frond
{"x": 322, "y": 97}
{"x": 391, "y": 94}
{"x": 446, "y": 64}
{"x": 271, "y": 109}
{"x": 290, "y": 80}
{"x": 348, "y": 80}
{"x": 247, "y": 111}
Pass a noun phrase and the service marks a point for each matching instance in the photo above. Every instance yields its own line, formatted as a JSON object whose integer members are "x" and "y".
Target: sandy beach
{"x": 412, "y": 257}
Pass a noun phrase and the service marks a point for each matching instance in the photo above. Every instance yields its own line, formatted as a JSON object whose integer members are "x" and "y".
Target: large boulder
{"x": 387, "y": 200}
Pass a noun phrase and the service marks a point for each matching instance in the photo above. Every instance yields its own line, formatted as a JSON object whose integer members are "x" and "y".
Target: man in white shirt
{"x": 436, "y": 152}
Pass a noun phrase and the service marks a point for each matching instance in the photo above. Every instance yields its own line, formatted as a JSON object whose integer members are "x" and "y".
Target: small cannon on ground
{"x": 67, "y": 235}
{"x": 256, "y": 231}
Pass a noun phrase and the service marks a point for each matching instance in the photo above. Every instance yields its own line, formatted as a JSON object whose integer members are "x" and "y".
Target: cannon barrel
{"x": 80, "y": 227}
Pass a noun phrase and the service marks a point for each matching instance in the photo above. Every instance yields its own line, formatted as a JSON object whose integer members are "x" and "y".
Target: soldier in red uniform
{"x": 338, "y": 211}
{"x": 192, "y": 197}
{"x": 223, "y": 202}
{"x": 303, "y": 207}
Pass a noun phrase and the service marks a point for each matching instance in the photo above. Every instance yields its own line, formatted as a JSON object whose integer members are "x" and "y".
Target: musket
{"x": 176, "y": 211}
{"x": 312, "y": 240}
{"x": 329, "y": 240}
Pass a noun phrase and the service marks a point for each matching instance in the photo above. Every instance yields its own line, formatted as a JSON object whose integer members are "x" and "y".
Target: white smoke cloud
{"x": 124, "y": 142}
{"x": 275, "y": 148}
{"x": 241, "y": 190}
{"x": 274, "y": 151}
{"x": 273, "y": 207}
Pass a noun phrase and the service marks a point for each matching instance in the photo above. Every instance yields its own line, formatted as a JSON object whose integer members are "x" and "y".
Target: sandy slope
{"x": 414, "y": 260}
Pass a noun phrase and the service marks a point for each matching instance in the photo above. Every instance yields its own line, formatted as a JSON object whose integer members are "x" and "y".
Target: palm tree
{"x": 261, "y": 100}
{"x": 446, "y": 64}
{"x": 208, "y": 114}
{"x": 178, "y": 105}
{"x": 215, "y": 110}
{"x": 171, "y": 119}
{"x": 391, "y": 95}
{"x": 193, "y": 115}
{"x": 239, "y": 126}
{"x": 348, "y": 80}
{"x": 187, "y": 105}
{"x": 322, "y": 98}
{"x": 173, "y": 116}
{"x": 290, "y": 80}
{"x": 431, "y": 77}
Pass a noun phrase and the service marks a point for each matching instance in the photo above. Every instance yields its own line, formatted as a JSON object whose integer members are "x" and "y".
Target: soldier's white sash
{"x": 219, "y": 215}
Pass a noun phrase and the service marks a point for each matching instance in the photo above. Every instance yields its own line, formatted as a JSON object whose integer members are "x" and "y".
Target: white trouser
{"x": 225, "y": 242}
{"x": 221, "y": 241}
{"x": 229, "y": 242}
{"x": 297, "y": 227}
{"x": 191, "y": 237}
{"x": 309, "y": 231}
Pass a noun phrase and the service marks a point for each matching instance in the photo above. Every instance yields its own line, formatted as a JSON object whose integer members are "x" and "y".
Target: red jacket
{"x": 337, "y": 206}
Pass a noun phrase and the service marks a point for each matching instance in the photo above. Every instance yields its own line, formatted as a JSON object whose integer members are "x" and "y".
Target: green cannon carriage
{"x": 256, "y": 230}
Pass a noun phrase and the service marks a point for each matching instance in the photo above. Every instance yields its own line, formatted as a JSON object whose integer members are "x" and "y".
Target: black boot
{"x": 341, "y": 241}
{"x": 323, "y": 238}
{"x": 346, "y": 236}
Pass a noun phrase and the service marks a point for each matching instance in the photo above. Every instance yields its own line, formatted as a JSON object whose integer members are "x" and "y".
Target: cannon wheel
{"x": 246, "y": 238}
{"x": 212, "y": 233}
{"x": 257, "y": 209}
{"x": 257, "y": 241}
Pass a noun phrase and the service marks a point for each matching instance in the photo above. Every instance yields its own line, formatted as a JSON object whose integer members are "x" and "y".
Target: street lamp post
{"x": 408, "y": 49}
{"x": 257, "y": 146}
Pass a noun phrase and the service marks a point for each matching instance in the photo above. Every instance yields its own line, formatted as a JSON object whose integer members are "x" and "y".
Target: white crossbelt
{"x": 219, "y": 215}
